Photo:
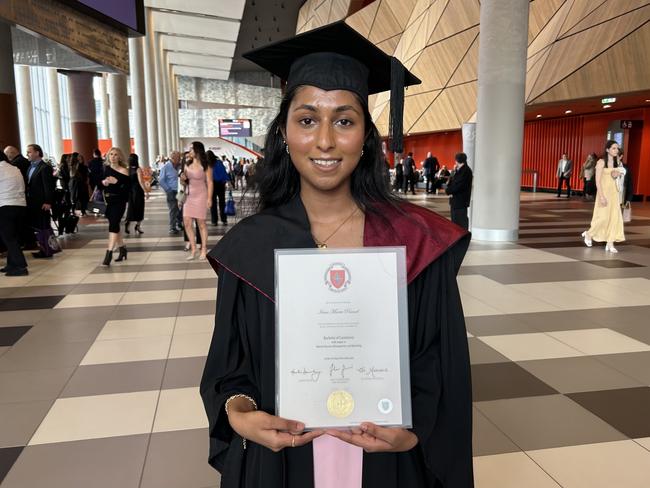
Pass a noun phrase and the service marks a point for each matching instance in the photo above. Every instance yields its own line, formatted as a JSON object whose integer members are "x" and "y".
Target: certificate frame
{"x": 396, "y": 257}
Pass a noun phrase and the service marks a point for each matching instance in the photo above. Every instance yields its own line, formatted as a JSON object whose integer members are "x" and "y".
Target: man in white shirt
{"x": 564, "y": 170}
{"x": 12, "y": 213}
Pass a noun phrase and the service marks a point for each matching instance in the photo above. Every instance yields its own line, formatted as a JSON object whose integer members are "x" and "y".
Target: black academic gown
{"x": 242, "y": 357}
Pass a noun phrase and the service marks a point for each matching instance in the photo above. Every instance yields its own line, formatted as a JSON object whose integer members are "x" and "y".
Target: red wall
{"x": 545, "y": 140}
{"x": 104, "y": 146}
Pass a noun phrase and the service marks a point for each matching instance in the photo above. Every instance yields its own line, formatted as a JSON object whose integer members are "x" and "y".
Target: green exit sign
{"x": 608, "y": 100}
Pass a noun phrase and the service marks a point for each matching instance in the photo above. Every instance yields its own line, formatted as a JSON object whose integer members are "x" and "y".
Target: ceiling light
{"x": 647, "y": 100}
{"x": 608, "y": 100}
{"x": 606, "y": 106}
{"x": 568, "y": 111}
{"x": 539, "y": 116}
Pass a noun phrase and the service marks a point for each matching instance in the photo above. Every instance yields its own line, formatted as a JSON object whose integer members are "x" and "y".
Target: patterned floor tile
{"x": 511, "y": 470}
{"x": 126, "y": 350}
{"x": 90, "y": 300}
{"x": 125, "y": 329}
{"x": 32, "y": 357}
{"x": 8, "y": 457}
{"x": 190, "y": 345}
{"x": 603, "y": 465}
{"x": 19, "y": 421}
{"x": 541, "y": 422}
{"x": 100, "y": 463}
{"x": 599, "y": 341}
{"x": 183, "y": 372}
{"x": 525, "y": 347}
{"x": 487, "y": 439}
{"x": 481, "y": 353}
{"x": 10, "y": 335}
{"x": 625, "y": 409}
{"x": 93, "y": 417}
{"x": 505, "y": 380}
{"x": 497, "y": 325}
{"x": 167, "y": 466}
{"x": 180, "y": 409}
{"x": 29, "y": 303}
{"x": 104, "y": 379}
{"x": 28, "y": 386}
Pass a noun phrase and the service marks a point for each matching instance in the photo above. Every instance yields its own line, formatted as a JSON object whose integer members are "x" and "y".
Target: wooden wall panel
{"x": 579, "y": 10}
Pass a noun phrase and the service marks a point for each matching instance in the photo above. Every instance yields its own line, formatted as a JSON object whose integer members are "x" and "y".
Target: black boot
{"x": 138, "y": 230}
{"x": 126, "y": 228}
{"x": 108, "y": 258}
{"x": 122, "y": 256}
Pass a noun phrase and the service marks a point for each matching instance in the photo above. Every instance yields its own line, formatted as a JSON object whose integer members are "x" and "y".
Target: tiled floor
{"x": 99, "y": 368}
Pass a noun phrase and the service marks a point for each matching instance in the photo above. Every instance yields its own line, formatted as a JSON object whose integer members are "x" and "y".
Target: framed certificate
{"x": 342, "y": 352}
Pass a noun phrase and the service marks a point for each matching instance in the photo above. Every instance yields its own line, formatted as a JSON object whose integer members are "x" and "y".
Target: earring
{"x": 286, "y": 146}
{"x": 362, "y": 152}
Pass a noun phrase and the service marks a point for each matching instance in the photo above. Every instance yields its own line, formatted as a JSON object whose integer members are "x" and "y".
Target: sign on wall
{"x": 235, "y": 128}
{"x": 628, "y": 124}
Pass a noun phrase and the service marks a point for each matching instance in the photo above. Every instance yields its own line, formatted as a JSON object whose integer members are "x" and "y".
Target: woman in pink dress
{"x": 197, "y": 178}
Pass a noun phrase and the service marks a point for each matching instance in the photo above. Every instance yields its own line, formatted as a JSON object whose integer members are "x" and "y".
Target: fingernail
{"x": 364, "y": 427}
{"x": 300, "y": 426}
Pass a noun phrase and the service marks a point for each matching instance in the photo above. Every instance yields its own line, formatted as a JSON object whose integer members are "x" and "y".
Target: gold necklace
{"x": 323, "y": 244}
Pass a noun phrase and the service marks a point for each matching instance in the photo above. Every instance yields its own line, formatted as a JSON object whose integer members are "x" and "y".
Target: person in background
{"x": 431, "y": 167}
{"x": 186, "y": 161}
{"x": 459, "y": 188}
{"x": 627, "y": 185}
{"x": 399, "y": 174}
{"x": 95, "y": 169}
{"x": 239, "y": 174}
{"x": 198, "y": 178}
{"x": 607, "y": 220}
{"x": 18, "y": 160}
{"x": 168, "y": 181}
{"x": 588, "y": 173}
{"x": 442, "y": 177}
{"x": 139, "y": 193}
{"x": 410, "y": 174}
{"x": 40, "y": 192}
{"x": 63, "y": 174}
{"x": 79, "y": 183}
{"x": 117, "y": 188}
{"x": 12, "y": 213}
{"x": 564, "y": 170}
{"x": 219, "y": 181}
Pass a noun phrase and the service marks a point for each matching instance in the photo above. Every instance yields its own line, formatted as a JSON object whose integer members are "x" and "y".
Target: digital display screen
{"x": 235, "y": 127}
{"x": 119, "y": 13}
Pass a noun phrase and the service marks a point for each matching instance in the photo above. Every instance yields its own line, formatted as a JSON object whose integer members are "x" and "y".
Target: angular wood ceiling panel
{"x": 389, "y": 45}
{"x": 418, "y": 104}
{"x": 340, "y": 9}
{"x": 549, "y": 34}
{"x": 579, "y": 10}
{"x": 533, "y": 73}
{"x": 569, "y": 53}
{"x": 385, "y": 24}
{"x": 631, "y": 53}
{"x": 402, "y": 11}
{"x": 411, "y": 42}
{"x": 468, "y": 68}
{"x": 363, "y": 19}
{"x": 419, "y": 9}
{"x": 540, "y": 15}
{"x": 440, "y": 115}
{"x": 457, "y": 16}
{"x": 607, "y": 11}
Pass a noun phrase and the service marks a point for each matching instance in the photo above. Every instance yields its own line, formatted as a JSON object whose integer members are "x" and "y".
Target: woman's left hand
{"x": 209, "y": 203}
{"x": 373, "y": 438}
{"x": 615, "y": 174}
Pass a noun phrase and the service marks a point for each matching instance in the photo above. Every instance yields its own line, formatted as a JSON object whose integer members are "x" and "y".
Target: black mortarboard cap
{"x": 337, "y": 57}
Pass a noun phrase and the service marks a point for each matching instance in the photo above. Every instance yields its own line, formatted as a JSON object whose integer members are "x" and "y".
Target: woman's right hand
{"x": 603, "y": 201}
{"x": 270, "y": 431}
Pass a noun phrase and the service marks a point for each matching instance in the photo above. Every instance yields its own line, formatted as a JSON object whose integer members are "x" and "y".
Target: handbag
{"x": 98, "y": 196}
{"x": 47, "y": 242}
{"x": 230, "y": 205}
{"x": 181, "y": 195}
{"x": 627, "y": 212}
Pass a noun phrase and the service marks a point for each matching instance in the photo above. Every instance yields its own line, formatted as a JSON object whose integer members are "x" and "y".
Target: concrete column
{"x": 106, "y": 120}
{"x": 55, "y": 112}
{"x": 469, "y": 142}
{"x": 160, "y": 93}
{"x": 138, "y": 99}
{"x": 9, "y": 125}
{"x": 83, "y": 120}
{"x": 25, "y": 105}
{"x": 119, "y": 112}
{"x": 150, "y": 91}
{"x": 174, "y": 107}
{"x": 166, "y": 101}
{"x": 500, "y": 122}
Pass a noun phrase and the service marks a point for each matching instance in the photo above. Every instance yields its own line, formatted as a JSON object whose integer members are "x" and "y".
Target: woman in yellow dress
{"x": 607, "y": 220}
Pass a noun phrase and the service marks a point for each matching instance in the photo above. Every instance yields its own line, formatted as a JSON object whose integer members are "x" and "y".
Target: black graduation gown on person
{"x": 135, "y": 212}
{"x": 242, "y": 355}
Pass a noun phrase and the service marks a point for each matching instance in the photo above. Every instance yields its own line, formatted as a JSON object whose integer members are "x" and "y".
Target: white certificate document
{"x": 342, "y": 354}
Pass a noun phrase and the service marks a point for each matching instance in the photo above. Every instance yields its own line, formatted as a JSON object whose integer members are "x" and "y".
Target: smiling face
{"x": 613, "y": 150}
{"x": 325, "y": 134}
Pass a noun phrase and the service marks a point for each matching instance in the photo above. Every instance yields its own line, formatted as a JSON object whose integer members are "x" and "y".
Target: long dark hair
{"x": 279, "y": 181}
{"x": 199, "y": 151}
{"x": 609, "y": 144}
{"x": 134, "y": 163}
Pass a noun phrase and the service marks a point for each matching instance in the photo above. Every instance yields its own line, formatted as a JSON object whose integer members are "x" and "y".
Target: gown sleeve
{"x": 227, "y": 370}
{"x": 440, "y": 371}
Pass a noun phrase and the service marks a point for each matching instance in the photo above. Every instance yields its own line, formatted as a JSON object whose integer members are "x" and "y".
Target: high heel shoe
{"x": 123, "y": 254}
{"x": 611, "y": 248}
{"x": 587, "y": 239}
{"x": 137, "y": 229}
{"x": 108, "y": 258}
{"x": 190, "y": 257}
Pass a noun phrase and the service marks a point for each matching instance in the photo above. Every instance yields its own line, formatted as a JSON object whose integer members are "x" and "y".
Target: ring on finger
{"x": 293, "y": 441}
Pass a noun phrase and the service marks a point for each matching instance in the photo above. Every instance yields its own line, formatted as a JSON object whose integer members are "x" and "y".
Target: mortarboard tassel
{"x": 395, "y": 120}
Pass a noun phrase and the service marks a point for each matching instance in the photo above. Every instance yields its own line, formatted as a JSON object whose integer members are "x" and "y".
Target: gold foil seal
{"x": 340, "y": 404}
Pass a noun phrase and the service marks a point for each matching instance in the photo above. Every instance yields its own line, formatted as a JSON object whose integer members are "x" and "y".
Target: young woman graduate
{"x": 322, "y": 185}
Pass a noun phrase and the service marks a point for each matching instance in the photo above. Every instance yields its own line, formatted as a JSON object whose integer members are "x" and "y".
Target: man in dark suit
{"x": 460, "y": 189}
{"x": 431, "y": 167}
{"x": 410, "y": 174}
{"x": 17, "y": 160}
{"x": 40, "y": 191}
{"x": 96, "y": 169}
{"x": 564, "y": 170}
